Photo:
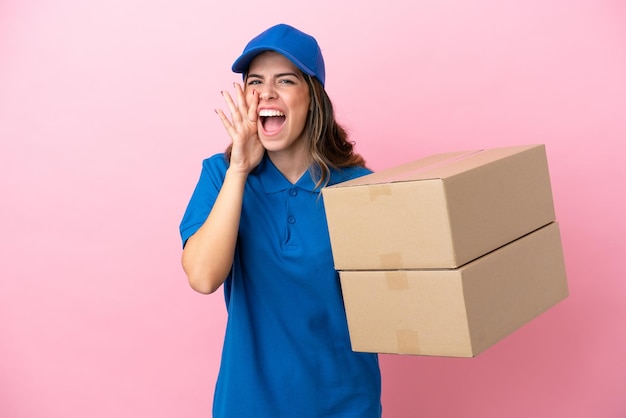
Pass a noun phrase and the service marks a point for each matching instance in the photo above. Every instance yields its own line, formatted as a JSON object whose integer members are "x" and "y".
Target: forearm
{"x": 208, "y": 254}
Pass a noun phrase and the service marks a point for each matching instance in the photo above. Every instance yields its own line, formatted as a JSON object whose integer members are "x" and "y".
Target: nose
{"x": 267, "y": 92}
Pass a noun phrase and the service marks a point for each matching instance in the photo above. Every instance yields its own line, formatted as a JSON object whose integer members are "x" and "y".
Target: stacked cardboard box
{"x": 449, "y": 254}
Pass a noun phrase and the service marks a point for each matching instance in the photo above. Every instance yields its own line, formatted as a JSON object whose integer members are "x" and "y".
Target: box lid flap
{"x": 438, "y": 166}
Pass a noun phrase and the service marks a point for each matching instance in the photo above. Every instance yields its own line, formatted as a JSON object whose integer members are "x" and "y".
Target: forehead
{"x": 272, "y": 62}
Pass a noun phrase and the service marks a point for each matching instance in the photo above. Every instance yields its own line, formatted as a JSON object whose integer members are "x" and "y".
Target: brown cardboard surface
{"x": 441, "y": 211}
{"x": 457, "y": 312}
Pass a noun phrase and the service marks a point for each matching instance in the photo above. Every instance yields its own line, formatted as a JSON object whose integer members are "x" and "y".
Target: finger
{"x": 226, "y": 122}
{"x": 252, "y": 108}
{"x": 242, "y": 104}
{"x": 241, "y": 100}
{"x": 248, "y": 110}
{"x": 232, "y": 107}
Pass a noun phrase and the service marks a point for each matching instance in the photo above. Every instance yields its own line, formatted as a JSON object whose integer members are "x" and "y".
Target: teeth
{"x": 270, "y": 112}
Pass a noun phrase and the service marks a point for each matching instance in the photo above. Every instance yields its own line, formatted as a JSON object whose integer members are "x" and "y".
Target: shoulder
{"x": 339, "y": 175}
{"x": 216, "y": 162}
{"x": 214, "y": 167}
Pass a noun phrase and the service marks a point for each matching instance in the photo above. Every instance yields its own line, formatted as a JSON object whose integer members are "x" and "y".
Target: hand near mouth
{"x": 247, "y": 150}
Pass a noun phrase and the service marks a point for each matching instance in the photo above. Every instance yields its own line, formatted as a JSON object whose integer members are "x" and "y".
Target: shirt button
{"x": 291, "y": 220}
{"x": 293, "y": 192}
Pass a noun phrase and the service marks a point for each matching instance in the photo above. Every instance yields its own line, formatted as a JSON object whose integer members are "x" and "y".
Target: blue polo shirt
{"x": 286, "y": 350}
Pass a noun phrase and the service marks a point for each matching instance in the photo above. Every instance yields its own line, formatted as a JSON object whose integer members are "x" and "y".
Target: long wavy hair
{"x": 328, "y": 142}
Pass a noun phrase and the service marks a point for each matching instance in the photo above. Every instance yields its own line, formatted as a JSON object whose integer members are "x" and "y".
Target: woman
{"x": 256, "y": 224}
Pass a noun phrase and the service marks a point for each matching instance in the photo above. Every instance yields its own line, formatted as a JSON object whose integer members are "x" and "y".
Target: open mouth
{"x": 271, "y": 120}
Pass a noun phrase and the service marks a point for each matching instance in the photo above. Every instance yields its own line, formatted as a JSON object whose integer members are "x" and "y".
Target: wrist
{"x": 237, "y": 173}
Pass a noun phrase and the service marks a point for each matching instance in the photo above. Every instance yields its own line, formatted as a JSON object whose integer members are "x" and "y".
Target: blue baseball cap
{"x": 297, "y": 46}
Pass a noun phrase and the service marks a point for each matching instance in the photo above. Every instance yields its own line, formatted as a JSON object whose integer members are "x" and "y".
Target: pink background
{"x": 106, "y": 110}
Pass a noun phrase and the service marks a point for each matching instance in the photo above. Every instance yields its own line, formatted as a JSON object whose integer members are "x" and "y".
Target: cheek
{"x": 304, "y": 103}
{"x": 302, "y": 113}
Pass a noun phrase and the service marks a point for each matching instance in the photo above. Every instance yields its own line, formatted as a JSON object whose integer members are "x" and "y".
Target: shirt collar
{"x": 274, "y": 181}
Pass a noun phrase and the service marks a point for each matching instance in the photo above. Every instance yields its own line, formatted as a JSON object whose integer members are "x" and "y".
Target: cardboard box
{"x": 458, "y": 312}
{"x": 441, "y": 211}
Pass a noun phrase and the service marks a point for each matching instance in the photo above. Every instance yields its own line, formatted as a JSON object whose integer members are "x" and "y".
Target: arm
{"x": 208, "y": 254}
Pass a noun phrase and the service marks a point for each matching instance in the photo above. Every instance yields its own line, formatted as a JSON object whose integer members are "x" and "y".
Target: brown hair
{"x": 328, "y": 142}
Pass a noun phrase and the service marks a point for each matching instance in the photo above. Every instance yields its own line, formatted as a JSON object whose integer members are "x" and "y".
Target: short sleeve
{"x": 204, "y": 195}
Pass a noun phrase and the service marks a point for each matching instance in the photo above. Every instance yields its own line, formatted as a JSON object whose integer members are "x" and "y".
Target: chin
{"x": 273, "y": 144}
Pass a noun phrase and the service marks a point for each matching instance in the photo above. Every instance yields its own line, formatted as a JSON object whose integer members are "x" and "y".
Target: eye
{"x": 286, "y": 81}
{"x": 253, "y": 82}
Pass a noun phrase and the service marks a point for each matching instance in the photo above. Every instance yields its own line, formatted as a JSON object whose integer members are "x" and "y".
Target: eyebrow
{"x": 275, "y": 75}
